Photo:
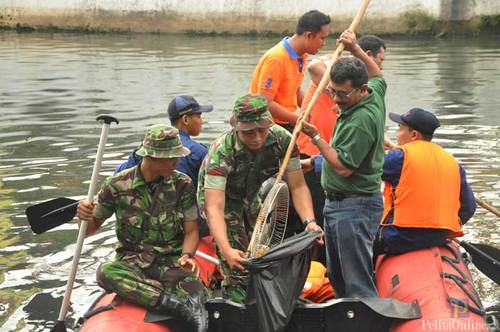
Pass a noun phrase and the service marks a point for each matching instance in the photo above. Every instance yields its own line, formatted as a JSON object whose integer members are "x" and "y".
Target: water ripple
{"x": 54, "y": 86}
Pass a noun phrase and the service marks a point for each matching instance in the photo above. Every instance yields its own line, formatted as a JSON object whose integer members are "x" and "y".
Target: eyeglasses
{"x": 340, "y": 94}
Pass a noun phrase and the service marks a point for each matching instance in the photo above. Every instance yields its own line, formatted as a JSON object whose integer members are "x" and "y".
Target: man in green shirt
{"x": 352, "y": 170}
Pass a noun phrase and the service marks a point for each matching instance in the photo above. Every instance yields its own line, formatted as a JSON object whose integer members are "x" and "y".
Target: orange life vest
{"x": 317, "y": 287}
{"x": 323, "y": 117}
{"x": 428, "y": 193}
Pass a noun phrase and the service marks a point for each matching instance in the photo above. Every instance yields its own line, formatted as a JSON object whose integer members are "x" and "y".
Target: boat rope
{"x": 465, "y": 305}
{"x": 454, "y": 263}
{"x": 461, "y": 281}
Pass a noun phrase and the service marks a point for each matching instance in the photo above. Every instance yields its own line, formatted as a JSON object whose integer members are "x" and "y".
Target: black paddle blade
{"x": 50, "y": 214}
{"x": 59, "y": 327}
{"x": 486, "y": 258}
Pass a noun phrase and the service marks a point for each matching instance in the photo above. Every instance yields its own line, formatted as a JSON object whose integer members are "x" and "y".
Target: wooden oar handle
{"x": 487, "y": 206}
{"x": 390, "y": 144}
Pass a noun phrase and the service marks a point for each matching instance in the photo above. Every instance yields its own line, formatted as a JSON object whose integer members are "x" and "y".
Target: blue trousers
{"x": 350, "y": 227}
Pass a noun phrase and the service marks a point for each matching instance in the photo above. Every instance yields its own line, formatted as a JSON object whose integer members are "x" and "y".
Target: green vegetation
{"x": 418, "y": 21}
{"x": 12, "y": 299}
{"x": 250, "y": 33}
{"x": 489, "y": 23}
{"x": 415, "y": 21}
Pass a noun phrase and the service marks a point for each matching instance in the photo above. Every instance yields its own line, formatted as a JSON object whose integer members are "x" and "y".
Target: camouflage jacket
{"x": 149, "y": 222}
{"x": 239, "y": 171}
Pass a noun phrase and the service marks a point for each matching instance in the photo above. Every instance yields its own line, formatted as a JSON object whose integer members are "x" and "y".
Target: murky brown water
{"x": 53, "y": 86}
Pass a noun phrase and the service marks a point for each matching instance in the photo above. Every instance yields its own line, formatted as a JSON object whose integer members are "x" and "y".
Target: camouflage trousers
{"x": 144, "y": 286}
{"x": 239, "y": 223}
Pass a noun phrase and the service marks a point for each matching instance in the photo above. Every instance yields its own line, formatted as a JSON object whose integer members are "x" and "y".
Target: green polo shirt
{"x": 359, "y": 142}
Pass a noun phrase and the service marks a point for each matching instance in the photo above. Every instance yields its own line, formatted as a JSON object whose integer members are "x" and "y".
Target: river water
{"x": 52, "y": 87}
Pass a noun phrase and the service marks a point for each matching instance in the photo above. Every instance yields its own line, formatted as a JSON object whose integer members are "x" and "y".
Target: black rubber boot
{"x": 199, "y": 316}
{"x": 190, "y": 309}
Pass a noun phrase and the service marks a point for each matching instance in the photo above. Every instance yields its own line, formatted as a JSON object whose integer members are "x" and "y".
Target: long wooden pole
{"x": 321, "y": 86}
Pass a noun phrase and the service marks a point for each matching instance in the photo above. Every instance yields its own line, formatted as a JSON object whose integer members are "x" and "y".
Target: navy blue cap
{"x": 184, "y": 105}
{"x": 421, "y": 120}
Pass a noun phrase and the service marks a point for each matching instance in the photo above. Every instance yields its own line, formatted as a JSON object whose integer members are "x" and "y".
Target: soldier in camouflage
{"x": 155, "y": 208}
{"x": 236, "y": 165}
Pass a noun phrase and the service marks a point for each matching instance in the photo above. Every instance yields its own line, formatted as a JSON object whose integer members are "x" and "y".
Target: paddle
{"x": 486, "y": 258}
{"x": 60, "y": 325}
{"x": 486, "y": 206}
{"x": 50, "y": 214}
{"x": 298, "y": 128}
{"x": 53, "y": 213}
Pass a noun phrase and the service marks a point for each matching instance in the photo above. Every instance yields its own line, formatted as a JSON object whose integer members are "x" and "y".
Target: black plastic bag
{"x": 277, "y": 279}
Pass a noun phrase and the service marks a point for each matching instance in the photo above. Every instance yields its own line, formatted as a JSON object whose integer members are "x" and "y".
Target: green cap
{"x": 162, "y": 141}
{"x": 249, "y": 112}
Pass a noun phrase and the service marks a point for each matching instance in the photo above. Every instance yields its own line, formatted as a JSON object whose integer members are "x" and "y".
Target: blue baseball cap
{"x": 421, "y": 120}
{"x": 185, "y": 105}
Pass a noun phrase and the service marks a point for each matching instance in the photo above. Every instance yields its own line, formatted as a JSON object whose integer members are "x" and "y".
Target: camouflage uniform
{"x": 149, "y": 227}
{"x": 239, "y": 171}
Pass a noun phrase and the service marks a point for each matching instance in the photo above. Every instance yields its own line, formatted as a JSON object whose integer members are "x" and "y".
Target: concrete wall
{"x": 268, "y": 8}
{"x": 233, "y": 16}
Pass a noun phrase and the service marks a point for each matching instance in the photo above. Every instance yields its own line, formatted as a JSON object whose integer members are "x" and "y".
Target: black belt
{"x": 338, "y": 196}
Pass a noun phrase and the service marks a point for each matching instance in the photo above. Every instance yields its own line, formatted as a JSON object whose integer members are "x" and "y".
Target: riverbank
{"x": 409, "y": 23}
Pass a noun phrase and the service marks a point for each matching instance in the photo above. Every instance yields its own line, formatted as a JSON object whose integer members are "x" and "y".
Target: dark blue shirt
{"x": 189, "y": 165}
{"x": 399, "y": 240}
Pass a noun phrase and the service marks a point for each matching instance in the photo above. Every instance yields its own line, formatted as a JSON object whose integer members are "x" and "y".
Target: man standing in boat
{"x": 375, "y": 47}
{"x": 155, "y": 208}
{"x": 324, "y": 117}
{"x": 237, "y": 164}
{"x": 352, "y": 169}
{"x": 325, "y": 111}
{"x": 440, "y": 200}
{"x": 280, "y": 71}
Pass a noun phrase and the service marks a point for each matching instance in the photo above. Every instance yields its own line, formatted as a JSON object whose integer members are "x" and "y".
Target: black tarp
{"x": 277, "y": 279}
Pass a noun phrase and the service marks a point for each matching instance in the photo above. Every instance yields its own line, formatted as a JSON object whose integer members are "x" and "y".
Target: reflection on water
{"x": 53, "y": 86}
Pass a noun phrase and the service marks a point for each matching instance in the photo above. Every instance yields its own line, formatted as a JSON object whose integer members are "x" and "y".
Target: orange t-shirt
{"x": 278, "y": 74}
{"x": 323, "y": 117}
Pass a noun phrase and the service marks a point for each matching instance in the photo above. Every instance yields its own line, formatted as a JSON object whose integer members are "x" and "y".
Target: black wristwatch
{"x": 308, "y": 221}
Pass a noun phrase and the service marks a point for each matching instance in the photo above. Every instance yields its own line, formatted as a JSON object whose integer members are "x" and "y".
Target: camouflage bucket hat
{"x": 162, "y": 141}
{"x": 249, "y": 112}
